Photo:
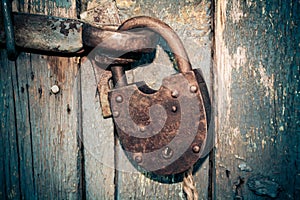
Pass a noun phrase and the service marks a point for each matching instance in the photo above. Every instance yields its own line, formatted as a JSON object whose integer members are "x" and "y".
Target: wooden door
{"x": 58, "y": 146}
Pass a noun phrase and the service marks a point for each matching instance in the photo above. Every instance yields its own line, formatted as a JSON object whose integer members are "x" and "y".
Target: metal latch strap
{"x": 44, "y": 34}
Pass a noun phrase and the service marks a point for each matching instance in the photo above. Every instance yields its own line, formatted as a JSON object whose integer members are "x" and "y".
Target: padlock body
{"x": 161, "y": 131}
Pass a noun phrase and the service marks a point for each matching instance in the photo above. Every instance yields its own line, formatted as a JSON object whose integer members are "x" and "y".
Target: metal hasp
{"x": 162, "y": 131}
{"x": 52, "y": 35}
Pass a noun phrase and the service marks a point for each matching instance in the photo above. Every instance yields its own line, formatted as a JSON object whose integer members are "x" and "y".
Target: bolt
{"x": 175, "y": 94}
{"x": 174, "y": 108}
{"x": 196, "y": 149}
{"x": 55, "y": 89}
{"x": 138, "y": 159}
{"x": 167, "y": 153}
{"x": 116, "y": 114}
{"x": 193, "y": 89}
{"x": 119, "y": 99}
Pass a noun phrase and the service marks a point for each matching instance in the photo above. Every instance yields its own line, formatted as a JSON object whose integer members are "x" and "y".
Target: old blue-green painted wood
{"x": 10, "y": 172}
{"x": 257, "y": 56}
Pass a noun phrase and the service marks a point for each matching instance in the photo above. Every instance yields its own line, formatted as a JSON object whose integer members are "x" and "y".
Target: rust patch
{"x": 63, "y": 29}
{"x": 103, "y": 89}
{"x": 68, "y": 25}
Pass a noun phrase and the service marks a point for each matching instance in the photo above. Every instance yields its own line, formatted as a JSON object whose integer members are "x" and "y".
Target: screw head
{"x": 119, "y": 99}
{"x": 174, "y": 108}
{"x": 167, "y": 152}
{"x": 193, "y": 89}
{"x": 138, "y": 159}
{"x": 196, "y": 149}
{"x": 55, "y": 89}
{"x": 174, "y": 93}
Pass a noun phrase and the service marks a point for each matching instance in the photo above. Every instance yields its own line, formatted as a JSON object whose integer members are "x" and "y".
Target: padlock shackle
{"x": 167, "y": 33}
{"x": 118, "y": 76}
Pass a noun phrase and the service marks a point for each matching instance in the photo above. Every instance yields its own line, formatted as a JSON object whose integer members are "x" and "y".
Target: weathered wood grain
{"x": 42, "y": 142}
{"x": 10, "y": 161}
{"x": 97, "y": 137}
{"x": 20, "y": 77}
{"x": 97, "y": 133}
{"x": 55, "y": 127}
{"x": 256, "y": 90}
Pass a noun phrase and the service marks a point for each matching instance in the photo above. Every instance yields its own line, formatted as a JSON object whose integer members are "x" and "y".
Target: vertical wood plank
{"x": 10, "y": 171}
{"x": 257, "y": 99}
{"x": 97, "y": 133}
{"x": 23, "y": 127}
{"x": 98, "y": 138}
{"x": 54, "y": 126}
{"x": 46, "y": 125}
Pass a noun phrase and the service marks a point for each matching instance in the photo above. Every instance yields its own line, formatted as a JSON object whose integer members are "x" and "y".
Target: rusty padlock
{"x": 162, "y": 131}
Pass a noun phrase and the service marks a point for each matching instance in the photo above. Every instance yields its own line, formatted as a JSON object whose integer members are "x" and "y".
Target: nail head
{"x": 174, "y": 108}
{"x": 175, "y": 93}
{"x": 55, "y": 89}
{"x": 196, "y": 149}
{"x": 193, "y": 89}
{"x": 119, "y": 99}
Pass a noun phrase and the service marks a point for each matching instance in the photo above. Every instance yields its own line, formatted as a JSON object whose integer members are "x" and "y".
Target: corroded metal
{"x": 46, "y": 33}
{"x": 105, "y": 61}
{"x": 103, "y": 89}
{"x": 166, "y": 141}
{"x": 157, "y": 26}
{"x": 118, "y": 76}
{"x": 161, "y": 131}
{"x": 119, "y": 42}
{"x": 49, "y": 34}
{"x": 164, "y": 31}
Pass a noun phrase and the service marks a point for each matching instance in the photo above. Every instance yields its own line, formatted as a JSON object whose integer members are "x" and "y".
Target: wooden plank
{"x": 46, "y": 126}
{"x": 23, "y": 126}
{"x": 9, "y": 170}
{"x": 257, "y": 99}
{"x": 54, "y": 127}
{"x": 98, "y": 138}
{"x": 105, "y": 178}
{"x": 97, "y": 133}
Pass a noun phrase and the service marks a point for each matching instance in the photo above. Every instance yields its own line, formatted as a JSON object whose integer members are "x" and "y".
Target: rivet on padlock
{"x": 163, "y": 132}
